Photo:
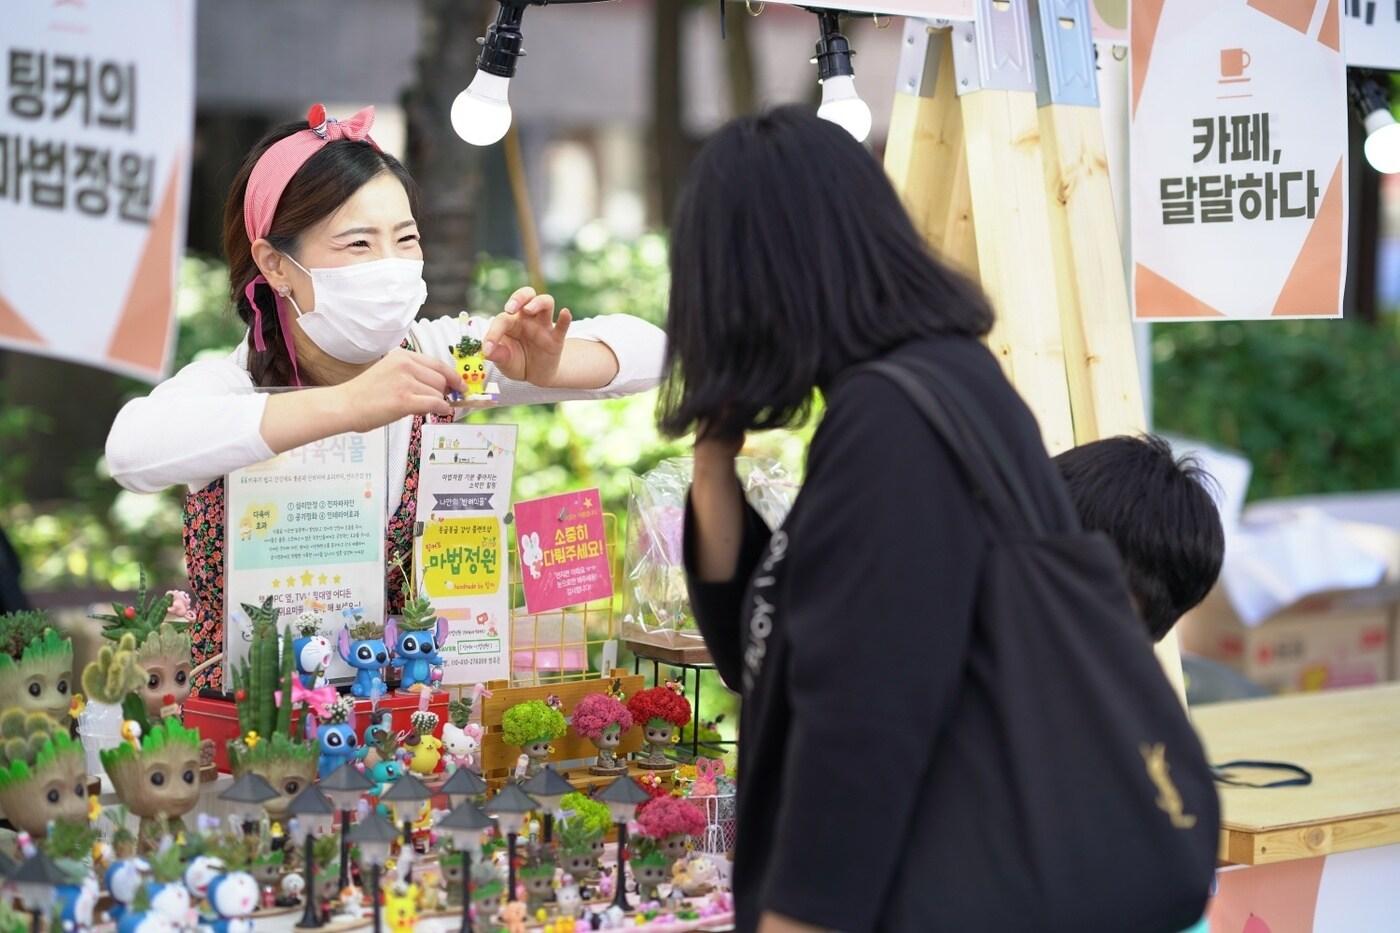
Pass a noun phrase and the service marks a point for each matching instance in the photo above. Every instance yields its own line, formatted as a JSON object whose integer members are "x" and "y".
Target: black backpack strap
{"x": 998, "y": 488}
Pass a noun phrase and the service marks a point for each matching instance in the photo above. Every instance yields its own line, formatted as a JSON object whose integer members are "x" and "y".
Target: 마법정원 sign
{"x": 96, "y": 122}
{"x": 307, "y": 528}
{"x": 459, "y": 552}
{"x": 1238, "y": 179}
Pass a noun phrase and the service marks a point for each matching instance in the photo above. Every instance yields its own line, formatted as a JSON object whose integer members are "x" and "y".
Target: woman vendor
{"x": 325, "y": 268}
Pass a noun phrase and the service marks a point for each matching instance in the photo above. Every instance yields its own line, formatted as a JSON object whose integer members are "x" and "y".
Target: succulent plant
{"x": 141, "y": 618}
{"x": 115, "y": 673}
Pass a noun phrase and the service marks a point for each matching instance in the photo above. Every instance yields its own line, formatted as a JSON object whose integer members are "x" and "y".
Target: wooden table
{"x": 1312, "y": 859}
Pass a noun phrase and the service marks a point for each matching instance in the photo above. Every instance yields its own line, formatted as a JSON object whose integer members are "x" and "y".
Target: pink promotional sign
{"x": 563, "y": 550}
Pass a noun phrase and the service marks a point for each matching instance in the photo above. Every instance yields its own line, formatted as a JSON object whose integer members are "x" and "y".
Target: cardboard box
{"x": 1338, "y": 638}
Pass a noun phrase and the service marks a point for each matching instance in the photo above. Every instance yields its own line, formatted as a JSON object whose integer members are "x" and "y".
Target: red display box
{"x": 217, "y": 719}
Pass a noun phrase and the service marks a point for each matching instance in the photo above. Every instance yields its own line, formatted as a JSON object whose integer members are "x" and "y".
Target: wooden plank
{"x": 1014, "y": 254}
{"x": 692, "y": 651}
{"x": 498, "y": 758}
{"x": 1348, "y": 739}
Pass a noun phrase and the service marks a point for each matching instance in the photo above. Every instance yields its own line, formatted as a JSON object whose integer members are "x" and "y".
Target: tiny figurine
{"x": 234, "y": 897}
{"x": 164, "y": 648}
{"x": 172, "y": 901}
{"x": 362, "y": 646}
{"x": 603, "y": 720}
{"x": 471, "y": 364}
{"x": 568, "y": 899}
{"x": 537, "y": 875}
{"x": 336, "y": 737}
{"x": 36, "y": 666}
{"x": 291, "y": 889}
{"x": 651, "y": 867}
{"x": 200, "y": 873}
{"x": 416, "y": 637}
{"x": 708, "y": 772}
{"x": 531, "y": 726}
{"x": 460, "y": 745}
{"x": 79, "y": 904}
{"x": 124, "y": 880}
{"x": 695, "y": 877}
{"x": 513, "y": 916}
{"x": 425, "y": 748}
{"x": 352, "y": 904}
{"x": 311, "y": 650}
{"x": 671, "y": 821}
{"x": 158, "y": 782}
{"x": 661, "y": 711}
{"x": 401, "y": 907}
{"x": 43, "y": 775}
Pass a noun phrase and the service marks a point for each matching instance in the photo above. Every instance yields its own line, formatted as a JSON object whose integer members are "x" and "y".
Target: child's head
{"x": 1157, "y": 510}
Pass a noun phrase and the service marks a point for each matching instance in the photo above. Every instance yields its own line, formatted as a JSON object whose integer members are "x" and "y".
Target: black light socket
{"x": 833, "y": 58}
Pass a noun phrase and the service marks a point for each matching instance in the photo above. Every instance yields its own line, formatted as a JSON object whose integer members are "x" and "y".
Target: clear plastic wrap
{"x": 656, "y": 607}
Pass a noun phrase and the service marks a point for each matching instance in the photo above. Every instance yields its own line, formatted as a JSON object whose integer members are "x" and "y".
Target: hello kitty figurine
{"x": 460, "y": 745}
{"x": 234, "y": 897}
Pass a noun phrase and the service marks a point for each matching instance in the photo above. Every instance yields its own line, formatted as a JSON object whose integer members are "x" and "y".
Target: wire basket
{"x": 721, "y": 824}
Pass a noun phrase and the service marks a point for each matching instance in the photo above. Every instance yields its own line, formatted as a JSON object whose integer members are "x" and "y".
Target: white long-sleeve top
{"x": 206, "y": 420}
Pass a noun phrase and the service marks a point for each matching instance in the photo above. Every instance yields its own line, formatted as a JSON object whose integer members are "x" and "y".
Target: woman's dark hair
{"x": 325, "y": 182}
{"x": 792, "y": 259}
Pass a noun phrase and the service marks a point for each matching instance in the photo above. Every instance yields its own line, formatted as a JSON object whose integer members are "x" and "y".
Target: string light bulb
{"x": 840, "y": 102}
{"x": 1371, "y": 101}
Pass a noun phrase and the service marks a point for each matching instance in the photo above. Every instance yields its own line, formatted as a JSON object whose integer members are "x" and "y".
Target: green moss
{"x": 647, "y": 851}
{"x": 591, "y": 815}
{"x": 277, "y": 747}
{"x": 532, "y": 721}
{"x": 467, "y": 346}
{"x": 18, "y": 629}
{"x": 168, "y": 733}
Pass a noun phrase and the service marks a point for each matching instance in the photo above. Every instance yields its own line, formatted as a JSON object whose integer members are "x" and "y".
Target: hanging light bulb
{"x": 840, "y": 102}
{"x": 481, "y": 113}
{"x": 1371, "y": 101}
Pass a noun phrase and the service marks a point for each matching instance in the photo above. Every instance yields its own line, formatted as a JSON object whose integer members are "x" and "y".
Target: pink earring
{"x": 283, "y": 291}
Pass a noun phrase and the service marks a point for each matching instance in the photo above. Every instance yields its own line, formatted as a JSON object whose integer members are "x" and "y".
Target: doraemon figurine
{"x": 79, "y": 903}
{"x": 233, "y": 897}
{"x": 362, "y": 646}
{"x": 202, "y": 870}
{"x": 416, "y": 642}
{"x": 124, "y": 879}
{"x": 172, "y": 901}
{"x": 312, "y": 651}
{"x": 336, "y": 737}
{"x": 147, "y": 922}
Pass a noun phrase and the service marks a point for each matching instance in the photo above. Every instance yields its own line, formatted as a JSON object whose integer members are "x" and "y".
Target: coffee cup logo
{"x": 1233, "y": 63}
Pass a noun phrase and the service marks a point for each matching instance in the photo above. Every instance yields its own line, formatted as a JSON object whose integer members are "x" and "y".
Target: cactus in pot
{"x": 106, "y": 683}
{"x": 164, "y": 648}
{"x": 42, "y": 773}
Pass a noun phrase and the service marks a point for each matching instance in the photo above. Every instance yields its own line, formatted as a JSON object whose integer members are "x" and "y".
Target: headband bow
{"x": 274, "y": 170}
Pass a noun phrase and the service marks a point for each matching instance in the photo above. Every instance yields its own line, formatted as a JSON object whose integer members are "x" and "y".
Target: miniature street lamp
{"x": 622, "y": 797}
{"x": 510, "y": 807}
{"x": 312, "y": 815}
{"x": 549, "y": 788}
{"x": 345, "y": 787}
{"x": 375, "y": 836}
{"x": 412, "y": 793}
{"x": 465, "y": 824}
{"x": 36, "y": 881}
{"x": 246, "y": 797}
{"x": 464, "y": 783}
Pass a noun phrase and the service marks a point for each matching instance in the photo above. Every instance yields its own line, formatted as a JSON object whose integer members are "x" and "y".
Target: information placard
{"x": 307, "y": 528}
{"x": 1239, "y": 169}
{"x": 563, "y": 550}
{"x": 459, "y": 544}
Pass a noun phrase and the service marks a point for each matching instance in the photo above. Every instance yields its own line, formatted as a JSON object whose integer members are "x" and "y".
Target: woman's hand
{"x": 403, "y": 383}
{"x": 527, "y": 341}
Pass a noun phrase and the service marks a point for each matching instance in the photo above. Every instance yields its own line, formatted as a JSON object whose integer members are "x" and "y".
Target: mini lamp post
{"x": 509, "y": 808}
{"x": 413, "y": 793}
{"x": 549, "y": 788}
{"x": 312, "y": 815}
{"x": 246, "y": 797}
{"x": 36, "y": 881}
{"x": 374, "y": 836}
{"x": 345, "y": 786}
{"x": 622, "y": 797}
{"x": 465, "y": 824}
{"x": 463, "y": 784}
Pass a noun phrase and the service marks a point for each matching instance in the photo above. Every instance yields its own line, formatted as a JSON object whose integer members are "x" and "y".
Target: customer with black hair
{"x": 848, "y": 629}
{"x": 1158, "y": 512}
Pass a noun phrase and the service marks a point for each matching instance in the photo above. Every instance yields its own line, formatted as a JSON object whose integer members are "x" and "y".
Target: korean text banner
{"x": 1371, "y": 30}
{"x": 95, "y": 127}
{"x": 1238, "y": 179}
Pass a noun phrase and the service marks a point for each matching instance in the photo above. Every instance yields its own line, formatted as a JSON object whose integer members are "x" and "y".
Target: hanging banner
{"x": 1372, "y": 33}
{"x": 307, "y": 529}
{"x": 563, "y": 550}
{"x": 459, "y": 545}
{"x": 95, "y": 137}
{"x": 1238, "y": 148}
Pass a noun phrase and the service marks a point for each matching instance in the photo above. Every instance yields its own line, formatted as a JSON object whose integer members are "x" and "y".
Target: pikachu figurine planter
{"x": 471, "y": 364}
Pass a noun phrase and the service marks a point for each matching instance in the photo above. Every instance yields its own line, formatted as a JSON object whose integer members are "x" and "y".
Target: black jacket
{"x": 846, "y": 631}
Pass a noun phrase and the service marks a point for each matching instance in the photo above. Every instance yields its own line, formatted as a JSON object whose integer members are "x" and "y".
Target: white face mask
{"x": 363, "y": 310}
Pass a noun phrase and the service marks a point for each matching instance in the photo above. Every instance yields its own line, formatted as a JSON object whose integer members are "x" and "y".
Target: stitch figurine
{"x": 311, "y": 650}
{"x": 416, "y": 637}
{"x": 362, "y": 646}
{"x": 336, "y": 737}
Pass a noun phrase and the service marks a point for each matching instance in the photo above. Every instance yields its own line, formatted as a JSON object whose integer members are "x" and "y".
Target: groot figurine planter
{"x": 582, "y": 834}
{"x": 36, "y": 666}
{"x": 661, "y": 711}
{"x": 159, "y": 781}
{"x": 538, "y": 877}
{"x": 671, "y": 821}
{"x": 43, "y": 777}
{"x": 163, "y": 648}
{"x": 532, "y": 726}
{"x": 603, "y": 720}
{"x": 651, "y": 867}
